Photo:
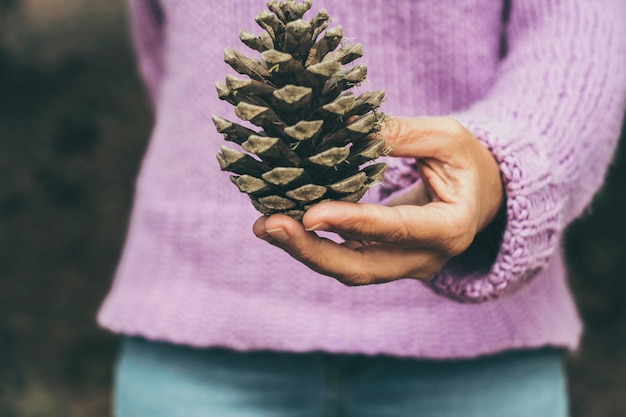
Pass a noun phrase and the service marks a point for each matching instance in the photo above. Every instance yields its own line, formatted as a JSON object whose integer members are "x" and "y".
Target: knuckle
{"x": 398, "y": 235}
{"x": 405, "y": 233}
{"x": 453, "y": 126}
{"x": 308, "y": 256}
{"x": 456, "y": 133}
{"x": 350, "y": 224}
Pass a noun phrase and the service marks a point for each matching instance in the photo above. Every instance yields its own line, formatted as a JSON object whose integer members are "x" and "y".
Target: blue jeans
{"x": 163, "y": 380}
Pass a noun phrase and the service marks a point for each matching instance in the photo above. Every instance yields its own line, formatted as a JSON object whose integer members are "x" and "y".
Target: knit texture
{"x": 540, "y": 85}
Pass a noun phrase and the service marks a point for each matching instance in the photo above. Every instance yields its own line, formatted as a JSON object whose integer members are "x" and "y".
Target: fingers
{"x": 434, "y": 226}
{"x": 368, "y": 264}
{"x": 425, "y": 227}
{"x": 437, "y": 137}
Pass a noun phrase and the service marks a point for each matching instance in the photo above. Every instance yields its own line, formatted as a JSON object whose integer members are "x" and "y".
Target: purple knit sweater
{"x": 543, "y": 88}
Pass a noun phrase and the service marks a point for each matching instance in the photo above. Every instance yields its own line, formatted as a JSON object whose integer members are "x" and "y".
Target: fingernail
{"x": 264, "y": 236}
{"x": 318, "y": 227}
{"x": 278, "y": 234}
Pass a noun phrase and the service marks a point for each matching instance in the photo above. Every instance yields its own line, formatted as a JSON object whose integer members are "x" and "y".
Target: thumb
{"x": 413, "y": 226}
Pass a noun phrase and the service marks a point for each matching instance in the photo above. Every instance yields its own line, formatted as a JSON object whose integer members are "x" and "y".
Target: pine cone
{"x": 315, "y": 135}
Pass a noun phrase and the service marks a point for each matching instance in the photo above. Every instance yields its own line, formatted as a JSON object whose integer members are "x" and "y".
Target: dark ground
{"x": 74, "y": 121}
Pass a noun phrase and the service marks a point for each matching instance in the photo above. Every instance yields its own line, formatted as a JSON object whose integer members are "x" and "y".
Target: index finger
{"x": 435, "y": 137}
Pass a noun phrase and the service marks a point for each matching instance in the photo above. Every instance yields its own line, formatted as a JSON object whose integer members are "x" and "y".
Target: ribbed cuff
{"x": 530, "y": 232}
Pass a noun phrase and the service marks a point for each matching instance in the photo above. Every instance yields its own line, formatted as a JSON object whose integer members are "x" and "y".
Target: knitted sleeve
{"x": 147, "y": 24}
{"x": 551, "y": 120}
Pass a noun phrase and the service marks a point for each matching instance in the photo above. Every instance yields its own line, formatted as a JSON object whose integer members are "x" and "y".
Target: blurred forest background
{"x": 74, "y": 121}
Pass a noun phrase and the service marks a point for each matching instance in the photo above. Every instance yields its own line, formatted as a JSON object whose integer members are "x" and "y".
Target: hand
{"x": 460, "y": 193}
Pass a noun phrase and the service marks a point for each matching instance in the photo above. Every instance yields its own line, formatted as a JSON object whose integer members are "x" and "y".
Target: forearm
{"x": 552, "y": 121}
